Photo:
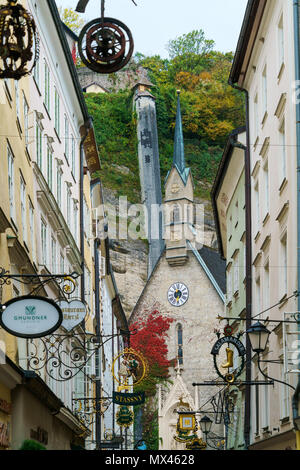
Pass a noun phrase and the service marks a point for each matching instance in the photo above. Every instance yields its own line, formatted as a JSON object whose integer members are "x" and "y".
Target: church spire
{"x": 178, "y": 157}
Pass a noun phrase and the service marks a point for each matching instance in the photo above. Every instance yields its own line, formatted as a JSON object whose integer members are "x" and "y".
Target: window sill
{"x": 285, "y": 420}
{"x": 264, "y": 119}
{"x": 266, "y": 218}
{"x": 256, "y": 238}
{"x": 280, "y": 73}
{"x": 282, "y": 301}
{"x": 256, "y": 142}
{"x": 283, "y": 185}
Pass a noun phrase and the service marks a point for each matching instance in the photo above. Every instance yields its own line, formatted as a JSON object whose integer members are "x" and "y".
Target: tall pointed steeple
{"x": 178, "y": 156}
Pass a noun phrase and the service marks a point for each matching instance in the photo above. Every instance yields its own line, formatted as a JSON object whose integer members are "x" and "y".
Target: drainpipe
{"x": 296, "y": 395}
{"x": 98, "y": 352}
{"x": 87, "y": 126}
{"x": 248, "y": 224}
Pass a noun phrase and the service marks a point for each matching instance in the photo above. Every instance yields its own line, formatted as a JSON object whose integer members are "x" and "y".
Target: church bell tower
{"x": 179, "y": 201}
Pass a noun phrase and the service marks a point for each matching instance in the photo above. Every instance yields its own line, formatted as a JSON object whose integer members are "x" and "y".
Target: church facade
{"x": 187, "y": 284}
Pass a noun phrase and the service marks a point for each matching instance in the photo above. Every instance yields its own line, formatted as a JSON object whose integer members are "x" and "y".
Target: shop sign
{"x": 4, "y": 435}
{"x": 129, "y": 399}
{"x": 124, "y": 416}
{"x": 74, "y": 313}
{"x": 5, "y": 406}
{"x": 30, "y": 317}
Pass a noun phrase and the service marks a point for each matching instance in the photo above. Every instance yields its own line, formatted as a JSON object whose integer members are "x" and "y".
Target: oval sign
{"x": 31, "y": 317}
{"x": 74, "y": 313}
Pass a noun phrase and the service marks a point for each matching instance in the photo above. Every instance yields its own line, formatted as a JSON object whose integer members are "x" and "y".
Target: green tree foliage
{"x": 29, "y": 444}
{"x": 72, "y": 19}
{"x": 211, "y": 109}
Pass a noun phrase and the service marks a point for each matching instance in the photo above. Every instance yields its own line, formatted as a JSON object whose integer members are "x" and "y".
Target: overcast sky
{"x": 154, "y": 22}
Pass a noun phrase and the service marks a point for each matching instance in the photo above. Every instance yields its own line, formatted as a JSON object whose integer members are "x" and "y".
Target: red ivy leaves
{"x": 150, "y": 340}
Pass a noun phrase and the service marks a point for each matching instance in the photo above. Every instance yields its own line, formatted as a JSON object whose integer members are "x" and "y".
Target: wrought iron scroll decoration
{"x": 66, "y": 282}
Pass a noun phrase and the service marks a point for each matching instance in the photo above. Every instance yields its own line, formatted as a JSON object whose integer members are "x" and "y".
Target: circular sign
{"x": 132, "y": 366}
{"x": 178, "y": 294}
{"x": 31, "y": 317}
{"x": 74, "y": 313}
{"x": 229, "y": 363}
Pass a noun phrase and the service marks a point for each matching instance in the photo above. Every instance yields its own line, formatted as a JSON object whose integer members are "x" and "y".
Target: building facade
{"x": 265, "y": 68}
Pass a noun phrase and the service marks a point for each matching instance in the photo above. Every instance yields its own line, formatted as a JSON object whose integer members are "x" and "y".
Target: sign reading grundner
{"x": 30, "y": 317}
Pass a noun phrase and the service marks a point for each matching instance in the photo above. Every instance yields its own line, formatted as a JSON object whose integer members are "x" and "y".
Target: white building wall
{"x": 270, "y": 82}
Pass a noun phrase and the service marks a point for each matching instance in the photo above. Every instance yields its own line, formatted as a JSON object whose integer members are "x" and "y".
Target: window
{"x": 32, "y": 230}
{"x": 264, "y": 91}
{"x": 53, "y": 254}
{"x": 180, "y": 344}
{"x": 68, "y": 206}
{"x": 62, "y": 263}
{"x": 39, "y": 145}
{"x": 229, "y": 284}
{"x": 256, "y": 118}
{"x": 75, "y": 220}
{"x": 11, "y": 183}
{"x": 57, "y": 112}
{"x": 257, "y": 208}
{"x": 257, "y": 297}
{"x": 47, "y": 86}
{"x": 266, "y": 286}
{"x": 66, "y": 137}
{"x": 17, "y": 95}
{"x": 265, "y": 402}
{"x": 266, "y": 189}
{"x": 44, "y": 241}
{"x": 26, "y": 120}
{"x": 73, "y": 157}
{"x": 284, "y": 393}
{"x": 282, "y": 142}
{"x": 23, "y": 208}
{"x": 283, "y": 276}
{"x": 176, "y": 214}
{"x": 236, "y": 273}
{"x": 280, "y": 42}
{"x": 50, "y": 167}
{"x": 58, "y": 185}
{"x": 36, "y": 73}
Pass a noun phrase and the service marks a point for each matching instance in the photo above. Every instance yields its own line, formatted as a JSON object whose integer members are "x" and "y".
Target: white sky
{"x": 154, "y": 22}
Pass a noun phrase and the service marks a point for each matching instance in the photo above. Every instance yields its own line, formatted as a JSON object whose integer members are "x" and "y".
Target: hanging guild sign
{"x": 230, "y": 365}
{"x": 125, "y": 417}
{"x": 30, "y": 317}
{"x": 74, "y": 313}
{"x": 129, "y": 369}
{"x": 129, "y": 399}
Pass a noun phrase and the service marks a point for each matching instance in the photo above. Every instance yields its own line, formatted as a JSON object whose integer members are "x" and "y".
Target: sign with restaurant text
{"x": 74, "y": 313}
{"x": 30, "y": 316}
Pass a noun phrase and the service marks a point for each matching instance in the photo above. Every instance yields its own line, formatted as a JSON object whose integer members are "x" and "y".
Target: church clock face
{"x": 178, "y": 294}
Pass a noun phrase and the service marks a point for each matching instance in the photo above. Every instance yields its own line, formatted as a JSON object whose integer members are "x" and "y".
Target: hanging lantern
{"x": 18, "y": 41}
{"x": 105, "y": 45}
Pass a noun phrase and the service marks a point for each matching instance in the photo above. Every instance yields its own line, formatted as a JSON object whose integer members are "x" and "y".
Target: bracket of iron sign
{"x": 66, "y": 282}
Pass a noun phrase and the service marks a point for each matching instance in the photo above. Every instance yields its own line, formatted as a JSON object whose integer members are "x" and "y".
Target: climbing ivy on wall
{"x": 150, "y": 340}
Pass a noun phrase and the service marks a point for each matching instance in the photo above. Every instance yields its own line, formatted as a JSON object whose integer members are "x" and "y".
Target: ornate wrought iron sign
{"x": 233, "y": 370}
{"x": 30, "y": 317}
{"x": 124, "y": 417}
{"x": 19, "y": 45}
{"x": 133, "y": 368}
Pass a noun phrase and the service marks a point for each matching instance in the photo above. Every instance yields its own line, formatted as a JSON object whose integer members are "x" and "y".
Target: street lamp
{"x": 205, "y": 425}
{"x": 258, "y": 336}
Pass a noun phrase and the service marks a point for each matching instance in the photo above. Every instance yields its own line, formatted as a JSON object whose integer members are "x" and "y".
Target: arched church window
{"x": 175, "y": 214}
{"x": 180, "y": 344}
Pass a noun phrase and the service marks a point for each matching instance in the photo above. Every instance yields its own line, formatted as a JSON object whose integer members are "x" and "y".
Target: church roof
{"x": 178, "y": 155}
{"x": 216, "y": 265}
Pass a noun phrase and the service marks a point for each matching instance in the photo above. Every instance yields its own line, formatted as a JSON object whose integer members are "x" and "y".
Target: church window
{"x": 180, "y": 344}
{"x": 176, "y": 214}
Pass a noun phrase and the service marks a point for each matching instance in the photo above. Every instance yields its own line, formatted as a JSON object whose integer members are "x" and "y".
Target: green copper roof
{"x": 178, "y": 156}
